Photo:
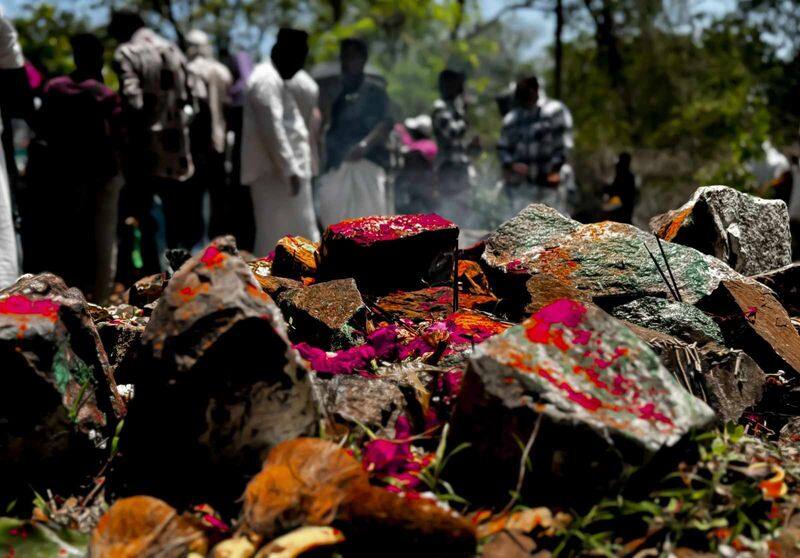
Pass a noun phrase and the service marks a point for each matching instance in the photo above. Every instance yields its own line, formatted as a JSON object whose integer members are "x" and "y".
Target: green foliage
{"x": 35, "y": 540}
{"x": 44, "y": 32}
{"x": 693, "y": 100}
{"x": 432, "y": 474}
{"x": 719, "y": 501}
{"x": 115, "y": 439}
{"x": 704, "y": 99}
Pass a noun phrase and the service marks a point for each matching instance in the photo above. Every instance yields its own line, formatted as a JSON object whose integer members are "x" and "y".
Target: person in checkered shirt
{"x": 533, "y": 148}
{"x": 454, "y": 171}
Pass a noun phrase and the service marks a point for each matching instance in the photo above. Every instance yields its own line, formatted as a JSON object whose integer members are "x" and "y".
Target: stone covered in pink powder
{"x": 388, "y": 253}
{"x": 369, "y": 230}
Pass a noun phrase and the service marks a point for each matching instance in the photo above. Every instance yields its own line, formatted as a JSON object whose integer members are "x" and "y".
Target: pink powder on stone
{"x": 588, "y": 402}
{"x": 515, "y": 266}
{"x": 648, "y": 412}
{"x": 24, "y": 306}
{"x": 212, "y": 257}
{"x": 369, "y": 230}
{"x": 562, "y": 311}
{"x": 539, "y": 329}
{"x": 582, "y": 336}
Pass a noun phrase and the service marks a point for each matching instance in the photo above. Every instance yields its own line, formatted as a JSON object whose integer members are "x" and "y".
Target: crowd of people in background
{"x": 189, "y": 148}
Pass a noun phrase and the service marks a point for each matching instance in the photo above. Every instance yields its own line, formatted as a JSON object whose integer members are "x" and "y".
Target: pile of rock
{"x": 331, "y": 383}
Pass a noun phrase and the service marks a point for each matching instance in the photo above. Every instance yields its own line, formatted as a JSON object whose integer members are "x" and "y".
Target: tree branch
{"x": 164, "y": 7}
{"x": 485, "y": 25}
{"x": 459, "y": 20}
{"x": 594, "y": 14}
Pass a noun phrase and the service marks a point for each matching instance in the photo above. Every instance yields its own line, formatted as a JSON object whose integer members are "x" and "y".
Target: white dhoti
{"x": 9, "y": 266}
{"x": 10, "y": 58}
{"x": 278, "y": 213}
{"x": 354, "y": 189}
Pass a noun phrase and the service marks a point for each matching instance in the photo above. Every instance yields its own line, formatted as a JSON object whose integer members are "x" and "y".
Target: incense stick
{"x": 669, "y": 269}
{"x": 455, "y": 280}
{"x": 658, "y": 267}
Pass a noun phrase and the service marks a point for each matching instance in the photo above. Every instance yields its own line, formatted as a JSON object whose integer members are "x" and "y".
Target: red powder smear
{"x": 187, "y": 293}
{"x": 592, "y": 375}
{"x": 212, "y": 257}
{"x": 368, "y": 230}
{"x": 24, "y": 306}
{"x": 621, "y": 385}
{"x": 582, "y": 337}
{"x": 588, "y": 402}
{"x": 539, "y": 329}
{"x": 648, "y": 412}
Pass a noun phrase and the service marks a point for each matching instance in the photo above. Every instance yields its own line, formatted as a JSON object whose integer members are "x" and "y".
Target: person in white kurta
{"x": 10, "y": 58}
{"x": 276, "y": 154}
{"x": 306, "y": 94}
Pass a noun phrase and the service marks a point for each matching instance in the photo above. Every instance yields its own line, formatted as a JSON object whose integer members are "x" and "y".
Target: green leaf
{"x": 39, "y": 541}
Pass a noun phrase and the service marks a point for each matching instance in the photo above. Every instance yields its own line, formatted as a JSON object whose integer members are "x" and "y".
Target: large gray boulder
{"x": 59, "y": 403}
{"x": 217, "y": 383}
{"x": 601, "y": 260}
{"x": 728, "y": 380}
{"x": 748, "y": 233}
{"x": 674, "y": 318}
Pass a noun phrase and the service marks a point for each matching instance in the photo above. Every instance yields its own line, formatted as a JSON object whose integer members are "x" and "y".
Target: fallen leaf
{"x": 509, "y": 544}
{"x": 300, "y": 541}
{"x": 523, "y": 521}
{"x": 237, "y": 547}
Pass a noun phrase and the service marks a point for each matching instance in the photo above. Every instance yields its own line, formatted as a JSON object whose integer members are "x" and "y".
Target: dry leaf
{"x": 300, "y": 541}
{"x": 142, "y": 526}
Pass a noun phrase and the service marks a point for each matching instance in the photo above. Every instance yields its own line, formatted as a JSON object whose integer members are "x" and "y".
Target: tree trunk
{"x": 559, "y": 48}
{"x": 459, "y": 20}
{"x": 611, "y": 46}
{"x": 337, "y": 7}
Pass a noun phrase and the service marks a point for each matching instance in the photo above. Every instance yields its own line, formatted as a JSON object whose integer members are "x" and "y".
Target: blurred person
{"x": 355, "y": 182}
{"x": 276, "y": 154}
{"x": 306, "y": 95}
{"x": 794, "y": 204}
{"x": 415, "y": 176}
{"x": 208, "y": 129}
{"x": 535, "y": 142}
{"x": 620, "y": 195}
{"x": 10, "y": 59}
{"x": 241, "y": 202}
{"x": 770, "y": 167}
{"x": 454, "y": 171}
{"x": 556, "y": 109}
{"x": 80, "y": 119}
{"x": 155, "y": 87}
